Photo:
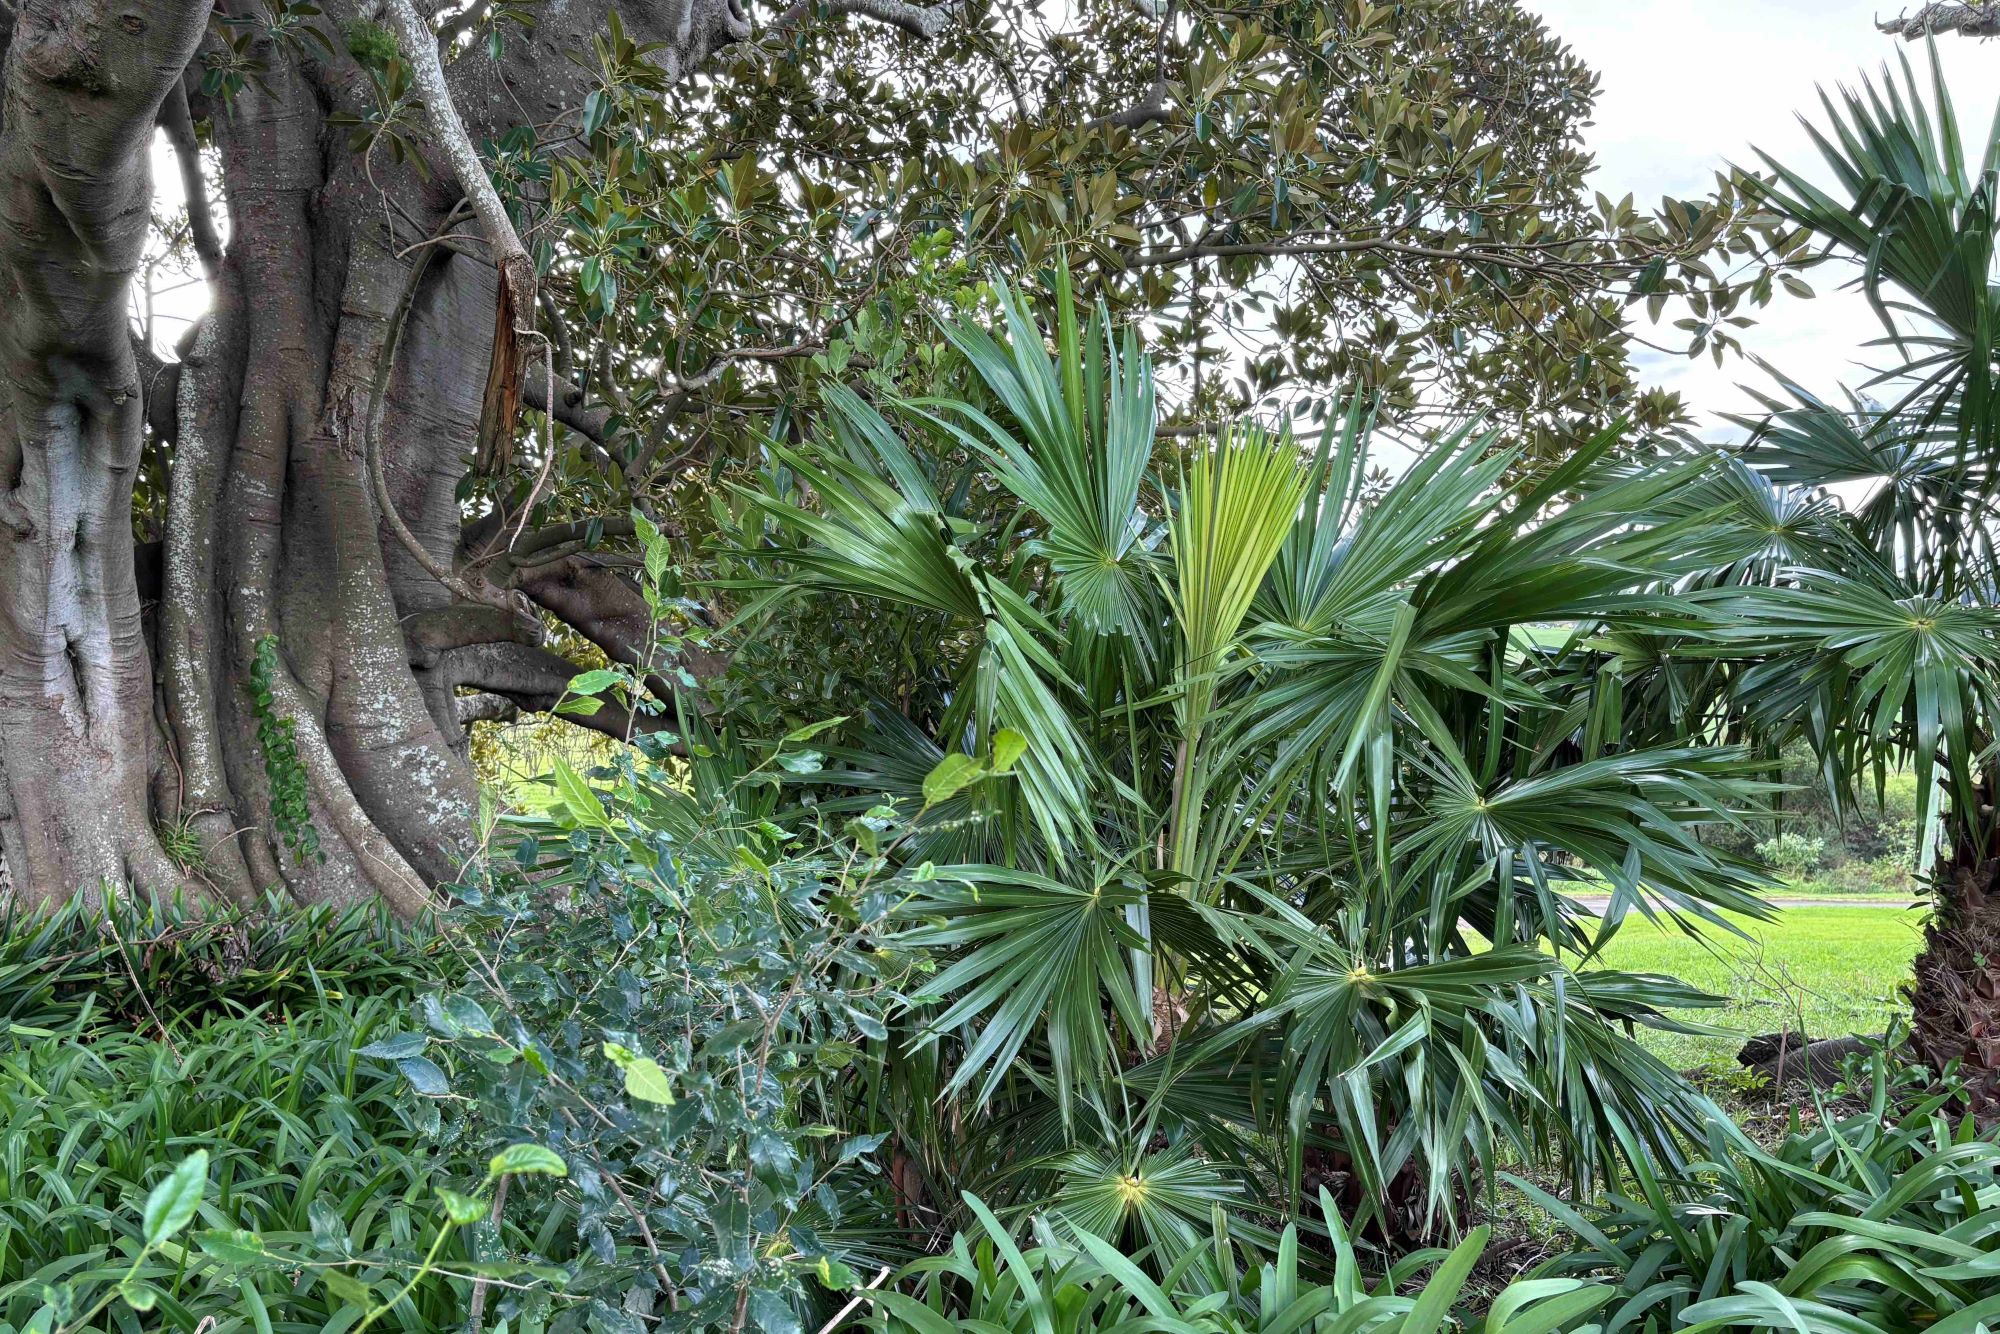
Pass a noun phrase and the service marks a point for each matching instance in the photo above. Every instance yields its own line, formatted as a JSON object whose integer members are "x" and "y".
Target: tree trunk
{"x": 334, "y": 329}
{"x": 84, "y": 84}
{"x": 1955, "y": 1001}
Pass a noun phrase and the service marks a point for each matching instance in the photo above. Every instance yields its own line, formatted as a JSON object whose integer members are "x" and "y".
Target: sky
{"x": 1687, "y": 85}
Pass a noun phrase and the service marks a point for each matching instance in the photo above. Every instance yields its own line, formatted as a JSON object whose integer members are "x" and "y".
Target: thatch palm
{"x": 1307, "y": 777}
{"x": 1882, "y": 646}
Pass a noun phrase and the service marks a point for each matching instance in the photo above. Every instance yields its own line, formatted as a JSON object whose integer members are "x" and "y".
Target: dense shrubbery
{"x": 316, "y": 1150}
{"x": 1279, "y": 738}
{"x": 1867, "y": 845}
{"x": 125, "y": 964}
{"x": 140, "y": 1038}
{"x": 1215, "y": 864}
{"x": 684, "y": 1001}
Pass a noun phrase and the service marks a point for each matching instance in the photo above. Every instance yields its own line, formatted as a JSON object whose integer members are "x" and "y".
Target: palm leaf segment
{"x": 876, "y": 539}
{"x": 1879, "y": 645}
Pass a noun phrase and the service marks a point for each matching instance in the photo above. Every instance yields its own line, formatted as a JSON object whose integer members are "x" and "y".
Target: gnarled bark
{"x": 1933, "y": 20}
{"x": 84, "y": 82}
{"x": 314, "y": 575}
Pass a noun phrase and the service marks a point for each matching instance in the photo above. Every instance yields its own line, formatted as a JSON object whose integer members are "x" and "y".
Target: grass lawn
{"x": 1836, "y": 969}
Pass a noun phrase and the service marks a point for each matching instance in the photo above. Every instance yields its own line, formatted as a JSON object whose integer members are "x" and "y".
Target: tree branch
{"x": 517, "y": 266}
{"x": 1967, "y": 20}
{"x": 178, "y": 123}
{"x": 429, "y": 635}
{"x": 1523, "y": 258}
{"x": 464, "y": 22}
{"x": 924, "y": 22}
{"x": 602, "y": 605}
{"x": 1155, "y": 107}
{"x": 515, "y": 317}
{"x": 371, "y": 426}
{"x": 594, "y": 423}
{"x": 161, "y": 383}
{"x": 536, "y": 679}
{"x": 805, "y": 347}
{"x": 484, "y": 708}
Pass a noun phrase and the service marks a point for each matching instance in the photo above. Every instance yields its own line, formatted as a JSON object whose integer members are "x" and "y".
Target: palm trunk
{"x": 1955, "y": 1000}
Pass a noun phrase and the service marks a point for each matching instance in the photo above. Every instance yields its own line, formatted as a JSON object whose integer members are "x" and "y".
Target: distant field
{"x": 1841, "y": 968}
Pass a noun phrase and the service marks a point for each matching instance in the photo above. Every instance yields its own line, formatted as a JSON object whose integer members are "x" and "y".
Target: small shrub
{"x": 1792, "y": 854}
{"x": 677, "y": 998}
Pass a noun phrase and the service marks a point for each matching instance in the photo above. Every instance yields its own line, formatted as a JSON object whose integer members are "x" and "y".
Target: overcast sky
{"x": 1689, "y": 84}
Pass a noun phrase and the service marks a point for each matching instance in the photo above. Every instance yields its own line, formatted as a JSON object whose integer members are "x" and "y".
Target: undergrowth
{"x": 127, "y": 964}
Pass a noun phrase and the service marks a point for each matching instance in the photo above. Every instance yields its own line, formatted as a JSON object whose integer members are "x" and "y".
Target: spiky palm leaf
{"x": 1919, "y": 215}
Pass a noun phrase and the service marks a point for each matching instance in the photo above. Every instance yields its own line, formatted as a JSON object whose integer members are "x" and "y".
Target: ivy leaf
{"x": 868, "y": 1025}
{"x": 329, "y": 1229}
{"x": 171, "y": 1205}
{"x": 646, "y": 1081}
{"x": 440, "y": 1022}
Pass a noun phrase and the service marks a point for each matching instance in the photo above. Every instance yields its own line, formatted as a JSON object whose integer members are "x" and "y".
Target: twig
{"x": 371, "y": 430}
{"x": 515, "y": 314}
{"x": 853, "y": 1302}
{"x": 111, "y": 924}
{"x": 477, "y": 1310}
{"x": 549, "y": 450}
{"x": 517, "y": 266}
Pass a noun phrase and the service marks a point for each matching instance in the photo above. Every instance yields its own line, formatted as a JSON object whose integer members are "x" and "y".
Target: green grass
{"x": 1837, "y": 971}
{"x": 1890, "y": 879}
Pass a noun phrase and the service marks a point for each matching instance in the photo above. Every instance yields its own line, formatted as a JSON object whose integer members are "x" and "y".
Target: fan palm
{"x": 1313, "y": 780}
{"x": 1878, "y": 642}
